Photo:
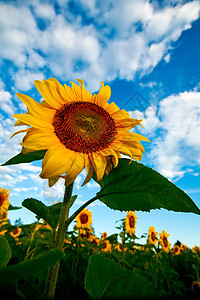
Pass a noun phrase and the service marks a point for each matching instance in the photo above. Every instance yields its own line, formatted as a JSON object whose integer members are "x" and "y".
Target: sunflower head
{"x": 16, "y": 232}
{"x": 84, "y": 219}
{"x": 106, "y": 246}
{"x": 163, "y": 241}
{"x": 152, "y": 236}
{"x": 4, "y": 202}
{"x": 130, "y": 222}
{"x": 176, "y": 250}
{"x": 184, "y": 247}
{"x": 104, "y": 235}
{"x": 196, "y": 249}
{"x": 79, "y": 130}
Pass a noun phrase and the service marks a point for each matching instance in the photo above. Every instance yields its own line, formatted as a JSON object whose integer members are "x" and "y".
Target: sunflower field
{"x": 117, "y": 266}
{"x": 72, "y": 130}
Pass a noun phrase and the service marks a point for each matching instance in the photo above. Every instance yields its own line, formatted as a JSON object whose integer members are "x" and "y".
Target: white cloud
{"x": 24, "y": 79}
{"x": 18, "y": 33}
{"x": 123, "y": 38}
{"x": 44, "y": 10}
{"x": 177, "y": 148}
{"x": 6, "y": 102}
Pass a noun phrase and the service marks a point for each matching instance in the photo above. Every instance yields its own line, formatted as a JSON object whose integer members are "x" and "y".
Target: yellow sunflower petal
{"x": 130, "y": 136}
{"x": 77, "y": 166}
{"x": 99, "y": 162}
{"x": 57, "y": 161}
{"x": 86, "y": 95}
{"x": 119, "y": 146}
{"x": 44, "y": 89}
{"x": 20, "y": 131}
{"x": 120, "y": 115}
{"x": 59, "y": 89}
{"x": 110, "y": 151}
{"x": 69, "y": 93}
{"x": 33, "y": 121}
{"x": 77, "y": 91}
{"x": 89, "y": 168}
{"x": 38, "y": 139}
{"x": 128, "y": 123}
{"x": 35, "y": 108}
{"x": 112, "y": 108}
{"x": 103, "y": 95}
{"x": 55, "y": 88}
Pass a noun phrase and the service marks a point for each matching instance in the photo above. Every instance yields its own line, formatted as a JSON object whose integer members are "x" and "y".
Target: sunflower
{"x": 130, "y": 222}
{"x": 79, "y": 130}
{"x": 4, "y": 202}
{"x": 163, "y": 240}
{"x": 176, "y": 250}
{"x": 106, "y": 245}
{"x": 3, "y": 232}
{"x": 184, "y": 247}
{"x": 121, "y": 248}
{"x": 84, "y": 219}
{"x": 152, "y": 236}
{"x": 16, "y": 232}
{"x": 104, "y": 235}
{"x": 4, "y": 218}
{"x": 196, "y": 249}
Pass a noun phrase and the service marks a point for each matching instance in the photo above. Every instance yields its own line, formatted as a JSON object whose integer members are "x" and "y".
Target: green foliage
{"x": 14, "y": 273}
{"x": 25, "y": 158}
{"x": 50, "y": 214}
{"x": 133, "y": 186}
{"x": 38, "y": 208}
{"x": 14, "y": 207}
{"x": 107, "y": 279}
{"x": 5, "y": 252}
{"x": 108, "y": 274}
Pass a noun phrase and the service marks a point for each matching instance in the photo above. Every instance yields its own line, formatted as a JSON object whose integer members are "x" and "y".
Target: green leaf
{"x": 5, "y": 252}
{"x": 25, "y": 158}
{"x": 133, "y": 186}
{"x": 50, "y": 214}
{"x": 13, "y": 207}
{"x": 107, "y": 279}
{"x": 12, "y": 274}
{"x": 39, "y": 208}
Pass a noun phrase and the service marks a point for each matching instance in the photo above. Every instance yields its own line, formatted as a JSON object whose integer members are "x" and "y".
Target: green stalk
{"x": 69, "y": 220}
{"x": 62, "y": 228}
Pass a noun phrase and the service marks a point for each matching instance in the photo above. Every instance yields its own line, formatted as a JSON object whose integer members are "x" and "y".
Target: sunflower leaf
{"x": 5, "y": 252}
{"x": 40, "y": 209}
{"x": 107, "y": 279}
{"x": 13, "y": 207}
{"x": 137, "y": 187}
{"x": 40, "y": 263}
{"x": 25, "y": 158}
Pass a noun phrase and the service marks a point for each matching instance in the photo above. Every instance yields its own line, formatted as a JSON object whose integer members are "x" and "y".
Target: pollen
{"x": 84, "y": 127}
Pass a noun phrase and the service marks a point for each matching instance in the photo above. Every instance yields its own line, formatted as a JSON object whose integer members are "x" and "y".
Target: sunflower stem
{"x": 62, "y": 228}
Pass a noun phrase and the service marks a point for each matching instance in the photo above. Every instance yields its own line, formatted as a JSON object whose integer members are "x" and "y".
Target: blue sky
{"x": 148, "y": 52}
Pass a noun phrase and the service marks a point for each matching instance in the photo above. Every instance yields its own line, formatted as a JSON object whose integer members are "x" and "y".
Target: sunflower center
{"x": 2, "y": 199}
{"x": 15, "y": 231}
{"x": 165, "y": 242}
{"x": 83, "y": 218}
{"x": 84, "y": 127}
{"x": 153, "y": 236}
{"x": 131, "y": 221}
